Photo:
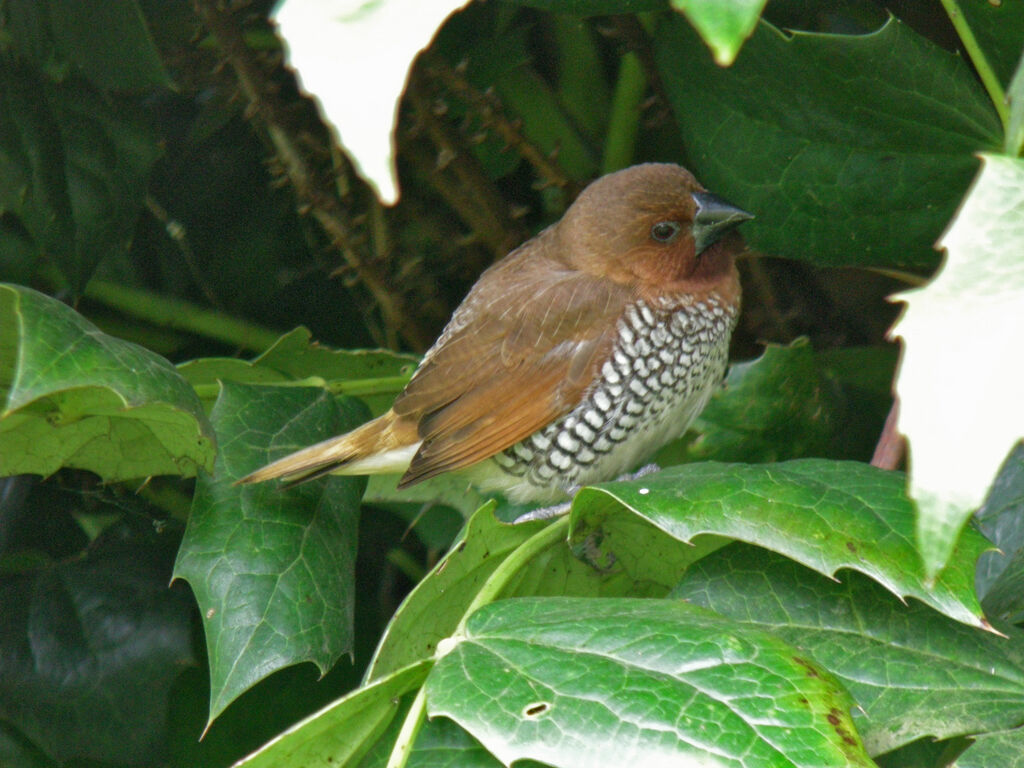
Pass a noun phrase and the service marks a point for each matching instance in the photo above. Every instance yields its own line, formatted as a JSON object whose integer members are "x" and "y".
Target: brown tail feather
{"x": 355, "y": 449}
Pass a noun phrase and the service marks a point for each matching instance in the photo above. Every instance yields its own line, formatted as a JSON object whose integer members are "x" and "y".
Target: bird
{"x": 571, "y": 359}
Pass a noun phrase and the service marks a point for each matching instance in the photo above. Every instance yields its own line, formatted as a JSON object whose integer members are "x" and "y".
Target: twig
{"x": 180, "y": 315}
{"x": 472, "y": 193}
{"x": 492, "y": 114}
{"x": 321, "y": 205}
{"x": 892, "y": 446}
{"x": 989, "y": 79}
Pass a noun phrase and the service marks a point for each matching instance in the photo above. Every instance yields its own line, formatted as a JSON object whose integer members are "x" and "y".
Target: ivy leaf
{"x": 827, "y": 515}
{"x": 582, "y": 682}
{"x": 90, "y": 649}
{"x": 1001, "y": 749}
{"x": 433, "y": 609}
{"x": 342, "y": 732}
{"x": 108, "y": 42}
{"x": 272, "y": 569}
{"x": 952, "y": 679}
{"x": 73, "y": 169}
{"x": 959, "y": 389}
{"x": 850, "y": 149}
{"x": 72, "y": 396}
{"x": 375, "y": 376}
{"x": 724, "y": 26}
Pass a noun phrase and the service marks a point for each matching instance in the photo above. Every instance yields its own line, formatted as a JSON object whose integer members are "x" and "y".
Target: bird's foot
{"x": 543, "y": 513}
{"x": 557, "y": 510}
{"x": 646, "y": 469}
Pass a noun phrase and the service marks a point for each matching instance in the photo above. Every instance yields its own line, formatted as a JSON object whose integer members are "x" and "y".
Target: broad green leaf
{"x": 342, "y": 732}
{"x": 1000, "y": 576}
{"x": 850, "y": 149}
{"x": 91, "y": 647}
{"x": 71, "y": 396}
{"x": 376, "y": 376}
{"x": 381, "y": 38}
{"x": 1003, "y": 749}
{"x": 827, "y": 515}
{"x": 912, "y": 672}
{"x": 434, "y": 608}
{"x": 108, "y": 42}
{"x": 611, "y": 682}
{"x": 73, "y": 169}
{"x": 724, "y": 26}
{"x": 960, "y": 398}
{"x": 271, "y": 569}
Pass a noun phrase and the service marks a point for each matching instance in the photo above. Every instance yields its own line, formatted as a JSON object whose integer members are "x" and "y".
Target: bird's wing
{"x": 518, "y": 353}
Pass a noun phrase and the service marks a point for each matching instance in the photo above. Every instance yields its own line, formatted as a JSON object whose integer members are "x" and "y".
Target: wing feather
{"x": 518, "y": 354}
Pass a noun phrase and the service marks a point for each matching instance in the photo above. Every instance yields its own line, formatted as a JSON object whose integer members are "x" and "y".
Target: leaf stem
{"x": 510, "y": 566}
{"x": 620, "y": 143}
{"x": 382, "y": 385}
{"x": 981, "y": 65}
{"x": 410, "y": 730}
{"x": 180, "y": 315}
{"x": 548, "y": 536}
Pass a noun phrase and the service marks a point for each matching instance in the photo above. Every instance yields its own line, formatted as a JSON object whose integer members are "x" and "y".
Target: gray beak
{"x": 714, "y": 218}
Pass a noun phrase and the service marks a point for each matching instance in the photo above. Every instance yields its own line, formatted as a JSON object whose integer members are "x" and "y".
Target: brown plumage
{"x": 636, "y": 283}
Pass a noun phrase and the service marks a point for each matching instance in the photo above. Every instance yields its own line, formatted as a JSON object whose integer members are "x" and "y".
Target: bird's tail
{"x": 379, "y": 446}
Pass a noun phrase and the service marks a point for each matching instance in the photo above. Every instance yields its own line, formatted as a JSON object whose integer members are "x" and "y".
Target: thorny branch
{"x": 266, "y": 106}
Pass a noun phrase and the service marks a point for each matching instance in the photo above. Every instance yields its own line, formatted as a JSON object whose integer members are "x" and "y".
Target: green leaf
{"x": 912, "y": 672}
{"x": 827, "y": 515}
{"x": 73, "y": 169}
{"x": 340, "y": 733}
{"x": 578, "y": 682}
{"x": 272, "y": 569}
{"x": 376, "y": 376}
{"x": 1004, "y": 749}
{"x": 1000, "y": 577}
{"x": 956, "y": 332}
{"x": 72, "y": 396}
{"x": 107, "y": 41}
{"x": 90, "y": 648}
{"x": 723, "y": 25}
{"x": 850, "y": 149}
{"x": 434, "y": 608}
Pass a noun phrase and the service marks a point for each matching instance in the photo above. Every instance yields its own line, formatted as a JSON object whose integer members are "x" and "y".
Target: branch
{"x": 312, "y": 198}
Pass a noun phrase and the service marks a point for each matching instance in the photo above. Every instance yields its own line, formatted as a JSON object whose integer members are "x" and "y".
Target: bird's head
{"x": 655, "y": 228}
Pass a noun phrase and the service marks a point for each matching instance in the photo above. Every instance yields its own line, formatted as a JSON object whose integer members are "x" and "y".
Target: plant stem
{"x": 180, "y": 315}
{"x": 981, "y": 65}
{"x": 382, "y": 385}
{"x": 410, "y": 729}
{"x": 548, "y": 536}
{"x": 510, "y": 566}
{"x": 620, "y": 143}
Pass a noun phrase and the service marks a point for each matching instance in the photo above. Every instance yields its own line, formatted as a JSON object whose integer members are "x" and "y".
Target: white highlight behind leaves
{"x": 961, "y": 378}
{"x": 353, "y": 57}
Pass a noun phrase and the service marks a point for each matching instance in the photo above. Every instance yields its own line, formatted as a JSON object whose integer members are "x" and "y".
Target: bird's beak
{"x": 714, "y": 218}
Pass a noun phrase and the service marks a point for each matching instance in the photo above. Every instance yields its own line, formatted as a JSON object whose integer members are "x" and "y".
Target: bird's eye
{"x": 665, "y": 231}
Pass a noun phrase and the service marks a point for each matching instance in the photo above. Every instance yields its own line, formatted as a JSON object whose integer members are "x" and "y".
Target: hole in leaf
{"x": 536, "y": 709}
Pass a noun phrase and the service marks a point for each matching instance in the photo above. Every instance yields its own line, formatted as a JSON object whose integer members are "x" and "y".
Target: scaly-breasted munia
{"x": 574, "y": 357}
